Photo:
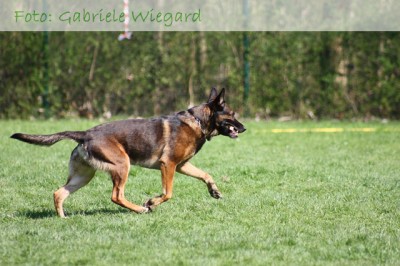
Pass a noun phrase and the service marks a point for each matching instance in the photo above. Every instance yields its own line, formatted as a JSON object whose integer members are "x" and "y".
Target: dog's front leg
{"x": 190, "y": 170}
{"x": 167, "y": 178}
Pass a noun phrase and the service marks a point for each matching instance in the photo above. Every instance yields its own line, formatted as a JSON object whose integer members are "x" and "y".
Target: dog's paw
{"x": 148, "y": 203}
{"x": 213, "y": 190}
{"x": 215, "y": 194}
{"x": 146, "y": 210}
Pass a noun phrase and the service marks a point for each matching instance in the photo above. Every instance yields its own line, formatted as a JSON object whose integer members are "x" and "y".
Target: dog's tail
{"x": 48, "y": 140}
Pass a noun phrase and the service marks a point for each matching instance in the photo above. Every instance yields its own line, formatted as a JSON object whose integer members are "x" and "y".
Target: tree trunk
{"x": 192, "y": 71}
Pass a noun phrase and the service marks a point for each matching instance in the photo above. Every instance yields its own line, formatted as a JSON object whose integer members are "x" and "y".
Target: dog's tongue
{"x": 233, "y": 135}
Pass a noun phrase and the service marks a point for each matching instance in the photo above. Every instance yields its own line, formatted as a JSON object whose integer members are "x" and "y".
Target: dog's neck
{"x": 207, "y": 132}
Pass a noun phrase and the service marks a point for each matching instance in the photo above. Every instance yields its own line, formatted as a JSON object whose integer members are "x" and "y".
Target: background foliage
{"x": 317, "y": 74}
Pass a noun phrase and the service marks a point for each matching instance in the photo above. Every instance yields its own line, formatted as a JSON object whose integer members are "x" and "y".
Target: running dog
{"x": 166, "y": 143}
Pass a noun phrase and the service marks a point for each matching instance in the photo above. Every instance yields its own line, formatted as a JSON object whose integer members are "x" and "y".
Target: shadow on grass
{"x": 43, "y": 214}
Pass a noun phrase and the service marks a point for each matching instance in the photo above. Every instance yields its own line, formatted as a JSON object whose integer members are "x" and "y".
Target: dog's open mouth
{"x": 233, "y": 132}
{"x": 230, "y": 129}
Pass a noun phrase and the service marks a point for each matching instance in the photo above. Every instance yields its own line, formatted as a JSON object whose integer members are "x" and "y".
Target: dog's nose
{"x": 243, "y": 129}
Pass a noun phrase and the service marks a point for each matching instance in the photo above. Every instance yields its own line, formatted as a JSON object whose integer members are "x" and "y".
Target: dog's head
{"x": 223, "y": 118}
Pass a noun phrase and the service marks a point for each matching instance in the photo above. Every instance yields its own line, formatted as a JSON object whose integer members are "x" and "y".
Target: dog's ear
{"x": 221, "y": 98}
{"x": 218, "y": 103}
{"x": 213, "y": 95}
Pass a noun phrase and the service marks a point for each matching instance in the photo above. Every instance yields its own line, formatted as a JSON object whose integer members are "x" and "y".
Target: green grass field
{"x": 300, "y": 198}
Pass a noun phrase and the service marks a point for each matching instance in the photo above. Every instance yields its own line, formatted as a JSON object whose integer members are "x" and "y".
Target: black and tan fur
{"x": 166, "y": 143}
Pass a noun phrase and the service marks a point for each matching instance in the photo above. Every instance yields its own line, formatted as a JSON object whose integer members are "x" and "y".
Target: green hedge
{"x": 324, "y": 75}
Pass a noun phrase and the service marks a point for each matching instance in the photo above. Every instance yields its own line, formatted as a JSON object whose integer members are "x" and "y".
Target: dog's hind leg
{"x": 119, "y": 175}
{"x": 80, "y": 174}
{"x": 110, "y": 156}
{"x": 119, "y": 171}
{"x": 167, "y": 178}
{"x": 190, "y": 170}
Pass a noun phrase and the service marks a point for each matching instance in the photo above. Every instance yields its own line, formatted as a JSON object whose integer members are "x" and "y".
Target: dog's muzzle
{"x": 232, "y": 128}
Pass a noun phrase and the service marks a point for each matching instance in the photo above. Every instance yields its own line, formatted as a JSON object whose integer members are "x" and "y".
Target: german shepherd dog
{"x": 166, "y": 143}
